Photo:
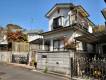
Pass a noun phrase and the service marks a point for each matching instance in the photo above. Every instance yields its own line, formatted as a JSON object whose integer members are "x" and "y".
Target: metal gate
{"x": 20, "y": 58}
{"x": 93, "y": 67}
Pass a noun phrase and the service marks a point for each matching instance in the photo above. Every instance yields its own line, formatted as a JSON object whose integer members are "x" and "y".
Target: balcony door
{"x": 57, "y": 22}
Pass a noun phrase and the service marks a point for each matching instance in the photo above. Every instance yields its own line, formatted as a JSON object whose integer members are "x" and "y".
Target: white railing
{"x": 72, "y": 20}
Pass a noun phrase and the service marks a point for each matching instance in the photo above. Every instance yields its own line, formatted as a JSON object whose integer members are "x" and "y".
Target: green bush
{"x": 46, "y": 69}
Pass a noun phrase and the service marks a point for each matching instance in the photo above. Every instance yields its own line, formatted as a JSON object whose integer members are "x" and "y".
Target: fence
{"x": 93, "y": 67}
{"x": 20, "y": 57}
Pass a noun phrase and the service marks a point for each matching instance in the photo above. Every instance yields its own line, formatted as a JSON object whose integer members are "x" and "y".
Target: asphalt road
{"x": 9, "y": 72}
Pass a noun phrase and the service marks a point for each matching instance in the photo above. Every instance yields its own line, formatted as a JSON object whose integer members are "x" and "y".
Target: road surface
{"x": 10, "y": 72}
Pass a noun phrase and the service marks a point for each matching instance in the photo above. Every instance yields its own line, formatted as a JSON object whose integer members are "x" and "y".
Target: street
{"x": 9, "y": 72}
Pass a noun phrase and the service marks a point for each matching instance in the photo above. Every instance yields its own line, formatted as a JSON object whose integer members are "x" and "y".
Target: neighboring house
{"x": 35, "y": 43}
{"x": 3, "y": 40}
{"x": 5, "y": 55}
{"x": 17, "y": 43}
{"x": 66, "y": 21}
{"x": 104, "y": 12}
{"x": 13, "y": 28}
{"x": 96, "y": 59}
{"x": 33, "y": 34}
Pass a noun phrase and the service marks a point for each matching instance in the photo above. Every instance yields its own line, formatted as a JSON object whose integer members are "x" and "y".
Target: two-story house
{"x": 66, "y": 21}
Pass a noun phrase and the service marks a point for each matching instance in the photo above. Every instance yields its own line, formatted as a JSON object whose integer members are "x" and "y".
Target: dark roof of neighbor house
{"x": 71, "y": 27}
{"x": 13, "y": 26}
{"x": 66, "y": 5}
{"x": 104, "y": 12}
{"x": 93, "y": 37}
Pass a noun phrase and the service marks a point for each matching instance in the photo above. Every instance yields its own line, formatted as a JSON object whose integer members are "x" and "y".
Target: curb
{"x": 58, "y": 74}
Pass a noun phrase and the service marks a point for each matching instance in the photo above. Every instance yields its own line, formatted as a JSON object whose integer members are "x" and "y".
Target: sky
{"x": 30, "y": 14}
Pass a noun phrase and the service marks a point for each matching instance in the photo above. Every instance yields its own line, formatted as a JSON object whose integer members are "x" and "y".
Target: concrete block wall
{"x": 55, "y": 61}
{"x": 5, "y": 56}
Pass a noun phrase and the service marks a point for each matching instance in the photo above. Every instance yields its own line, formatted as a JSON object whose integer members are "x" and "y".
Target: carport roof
{"x": 93, "y": 37}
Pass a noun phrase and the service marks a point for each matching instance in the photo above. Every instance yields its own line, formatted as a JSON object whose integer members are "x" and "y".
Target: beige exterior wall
{"x": 20, "y": 46}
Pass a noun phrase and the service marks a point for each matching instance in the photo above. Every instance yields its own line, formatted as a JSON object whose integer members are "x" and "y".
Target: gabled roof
{"x": 82, "y": 10}
{"x": 57, "y": 6}
{"x": 68, "y": 6}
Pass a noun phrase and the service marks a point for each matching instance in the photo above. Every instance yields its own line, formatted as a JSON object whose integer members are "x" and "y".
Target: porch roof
{"x": 37, "y": 41}
{"x": 71, "y": 27}
{"x": 93, "y": 37}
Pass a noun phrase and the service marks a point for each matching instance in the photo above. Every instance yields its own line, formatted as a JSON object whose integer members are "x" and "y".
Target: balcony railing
{"x": 70, "y": 20}
{"x": 82, "y": 22}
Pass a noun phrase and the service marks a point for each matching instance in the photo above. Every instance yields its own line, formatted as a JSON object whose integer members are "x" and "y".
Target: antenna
{"x": 31, "y": 23}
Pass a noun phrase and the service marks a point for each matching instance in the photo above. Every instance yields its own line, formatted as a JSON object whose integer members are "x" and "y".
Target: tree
{"x": 69, "y": 44}
{"x": 17, "y": 36}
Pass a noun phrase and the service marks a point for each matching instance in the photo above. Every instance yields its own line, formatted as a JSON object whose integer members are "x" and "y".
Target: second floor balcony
{"x": 69, "y": 20}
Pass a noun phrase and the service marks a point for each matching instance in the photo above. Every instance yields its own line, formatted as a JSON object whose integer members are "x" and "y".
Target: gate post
{"x": 71, "y": 57}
